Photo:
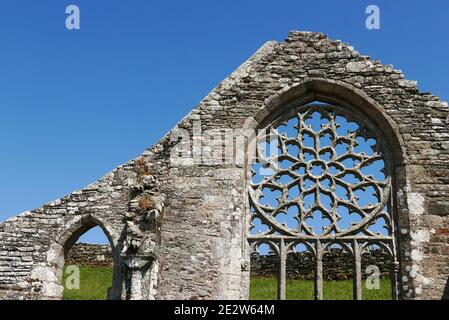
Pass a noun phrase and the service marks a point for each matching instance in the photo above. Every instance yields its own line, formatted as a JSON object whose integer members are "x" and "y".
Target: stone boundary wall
{"x": 337, "y": 265}
{"x": 85, "y": 254}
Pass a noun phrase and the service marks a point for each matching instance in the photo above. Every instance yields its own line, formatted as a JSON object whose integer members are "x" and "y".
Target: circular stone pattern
{"x": 320, "y": 172}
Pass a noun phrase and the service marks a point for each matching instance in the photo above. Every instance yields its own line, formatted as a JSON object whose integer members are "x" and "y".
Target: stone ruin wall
{"x": 197, "y": 242}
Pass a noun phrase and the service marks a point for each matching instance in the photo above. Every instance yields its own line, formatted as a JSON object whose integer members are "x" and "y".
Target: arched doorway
{"x": 88, "y": 271}
{"x": 88, "y": 267}
{"x": 321, "y": 198}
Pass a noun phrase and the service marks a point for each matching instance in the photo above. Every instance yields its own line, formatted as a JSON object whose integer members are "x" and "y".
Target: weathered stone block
{"x": 438, "y": 208}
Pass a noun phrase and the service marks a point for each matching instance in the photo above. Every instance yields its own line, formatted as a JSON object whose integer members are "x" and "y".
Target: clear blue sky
{"x": 75, "y": 104}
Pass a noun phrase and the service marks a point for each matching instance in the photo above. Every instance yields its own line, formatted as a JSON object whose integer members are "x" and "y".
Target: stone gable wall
{"x": 201, "y": 230}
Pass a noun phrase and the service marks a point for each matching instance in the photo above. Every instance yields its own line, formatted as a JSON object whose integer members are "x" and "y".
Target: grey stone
{"x": 179, "y": 230}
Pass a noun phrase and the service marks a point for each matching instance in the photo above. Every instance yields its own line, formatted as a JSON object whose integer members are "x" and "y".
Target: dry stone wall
{"x": 337, "y": 265}
{"x": 194, "y": 247}
{"x": 85, "y": 254}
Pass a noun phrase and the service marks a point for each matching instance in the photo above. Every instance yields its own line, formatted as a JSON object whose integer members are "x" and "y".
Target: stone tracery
{"x": 321, "y": 178}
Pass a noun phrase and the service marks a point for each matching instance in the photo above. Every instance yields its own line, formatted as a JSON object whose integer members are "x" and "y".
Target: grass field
{"x": 94, "y": 284}
{"x": 95, "y": 281}
{"x": 266, "y": 289}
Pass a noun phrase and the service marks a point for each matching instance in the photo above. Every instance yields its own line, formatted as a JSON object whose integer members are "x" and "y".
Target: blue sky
{"x": 75, "y": 104}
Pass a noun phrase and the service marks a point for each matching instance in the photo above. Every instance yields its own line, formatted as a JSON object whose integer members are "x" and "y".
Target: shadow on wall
{"x": 446, "y": 291}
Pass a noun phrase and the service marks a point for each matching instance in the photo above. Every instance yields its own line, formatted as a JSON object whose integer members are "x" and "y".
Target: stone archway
{"x": 58, "y": 253}
{"x": 333, "y": 92}
{"x": 349, "y": 100}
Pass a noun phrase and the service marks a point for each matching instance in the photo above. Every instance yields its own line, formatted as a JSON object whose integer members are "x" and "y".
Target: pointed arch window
{"x": 321, "y": 178}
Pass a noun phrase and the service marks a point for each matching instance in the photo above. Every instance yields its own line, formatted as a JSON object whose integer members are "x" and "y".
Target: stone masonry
{"x": 94, "y": 255}
{"x": 178, "y": 228}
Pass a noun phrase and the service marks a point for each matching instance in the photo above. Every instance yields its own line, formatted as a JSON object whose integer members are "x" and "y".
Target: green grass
{"x": 94, "y": 284}
{"x": 95, "y": 281}
{"x": 266, "y": 289}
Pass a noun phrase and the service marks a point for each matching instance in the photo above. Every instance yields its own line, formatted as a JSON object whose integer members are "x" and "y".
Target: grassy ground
{"x": 266, "y": 289}
{"x": 94, "y": 284}
{"x": 95, "y": 281}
